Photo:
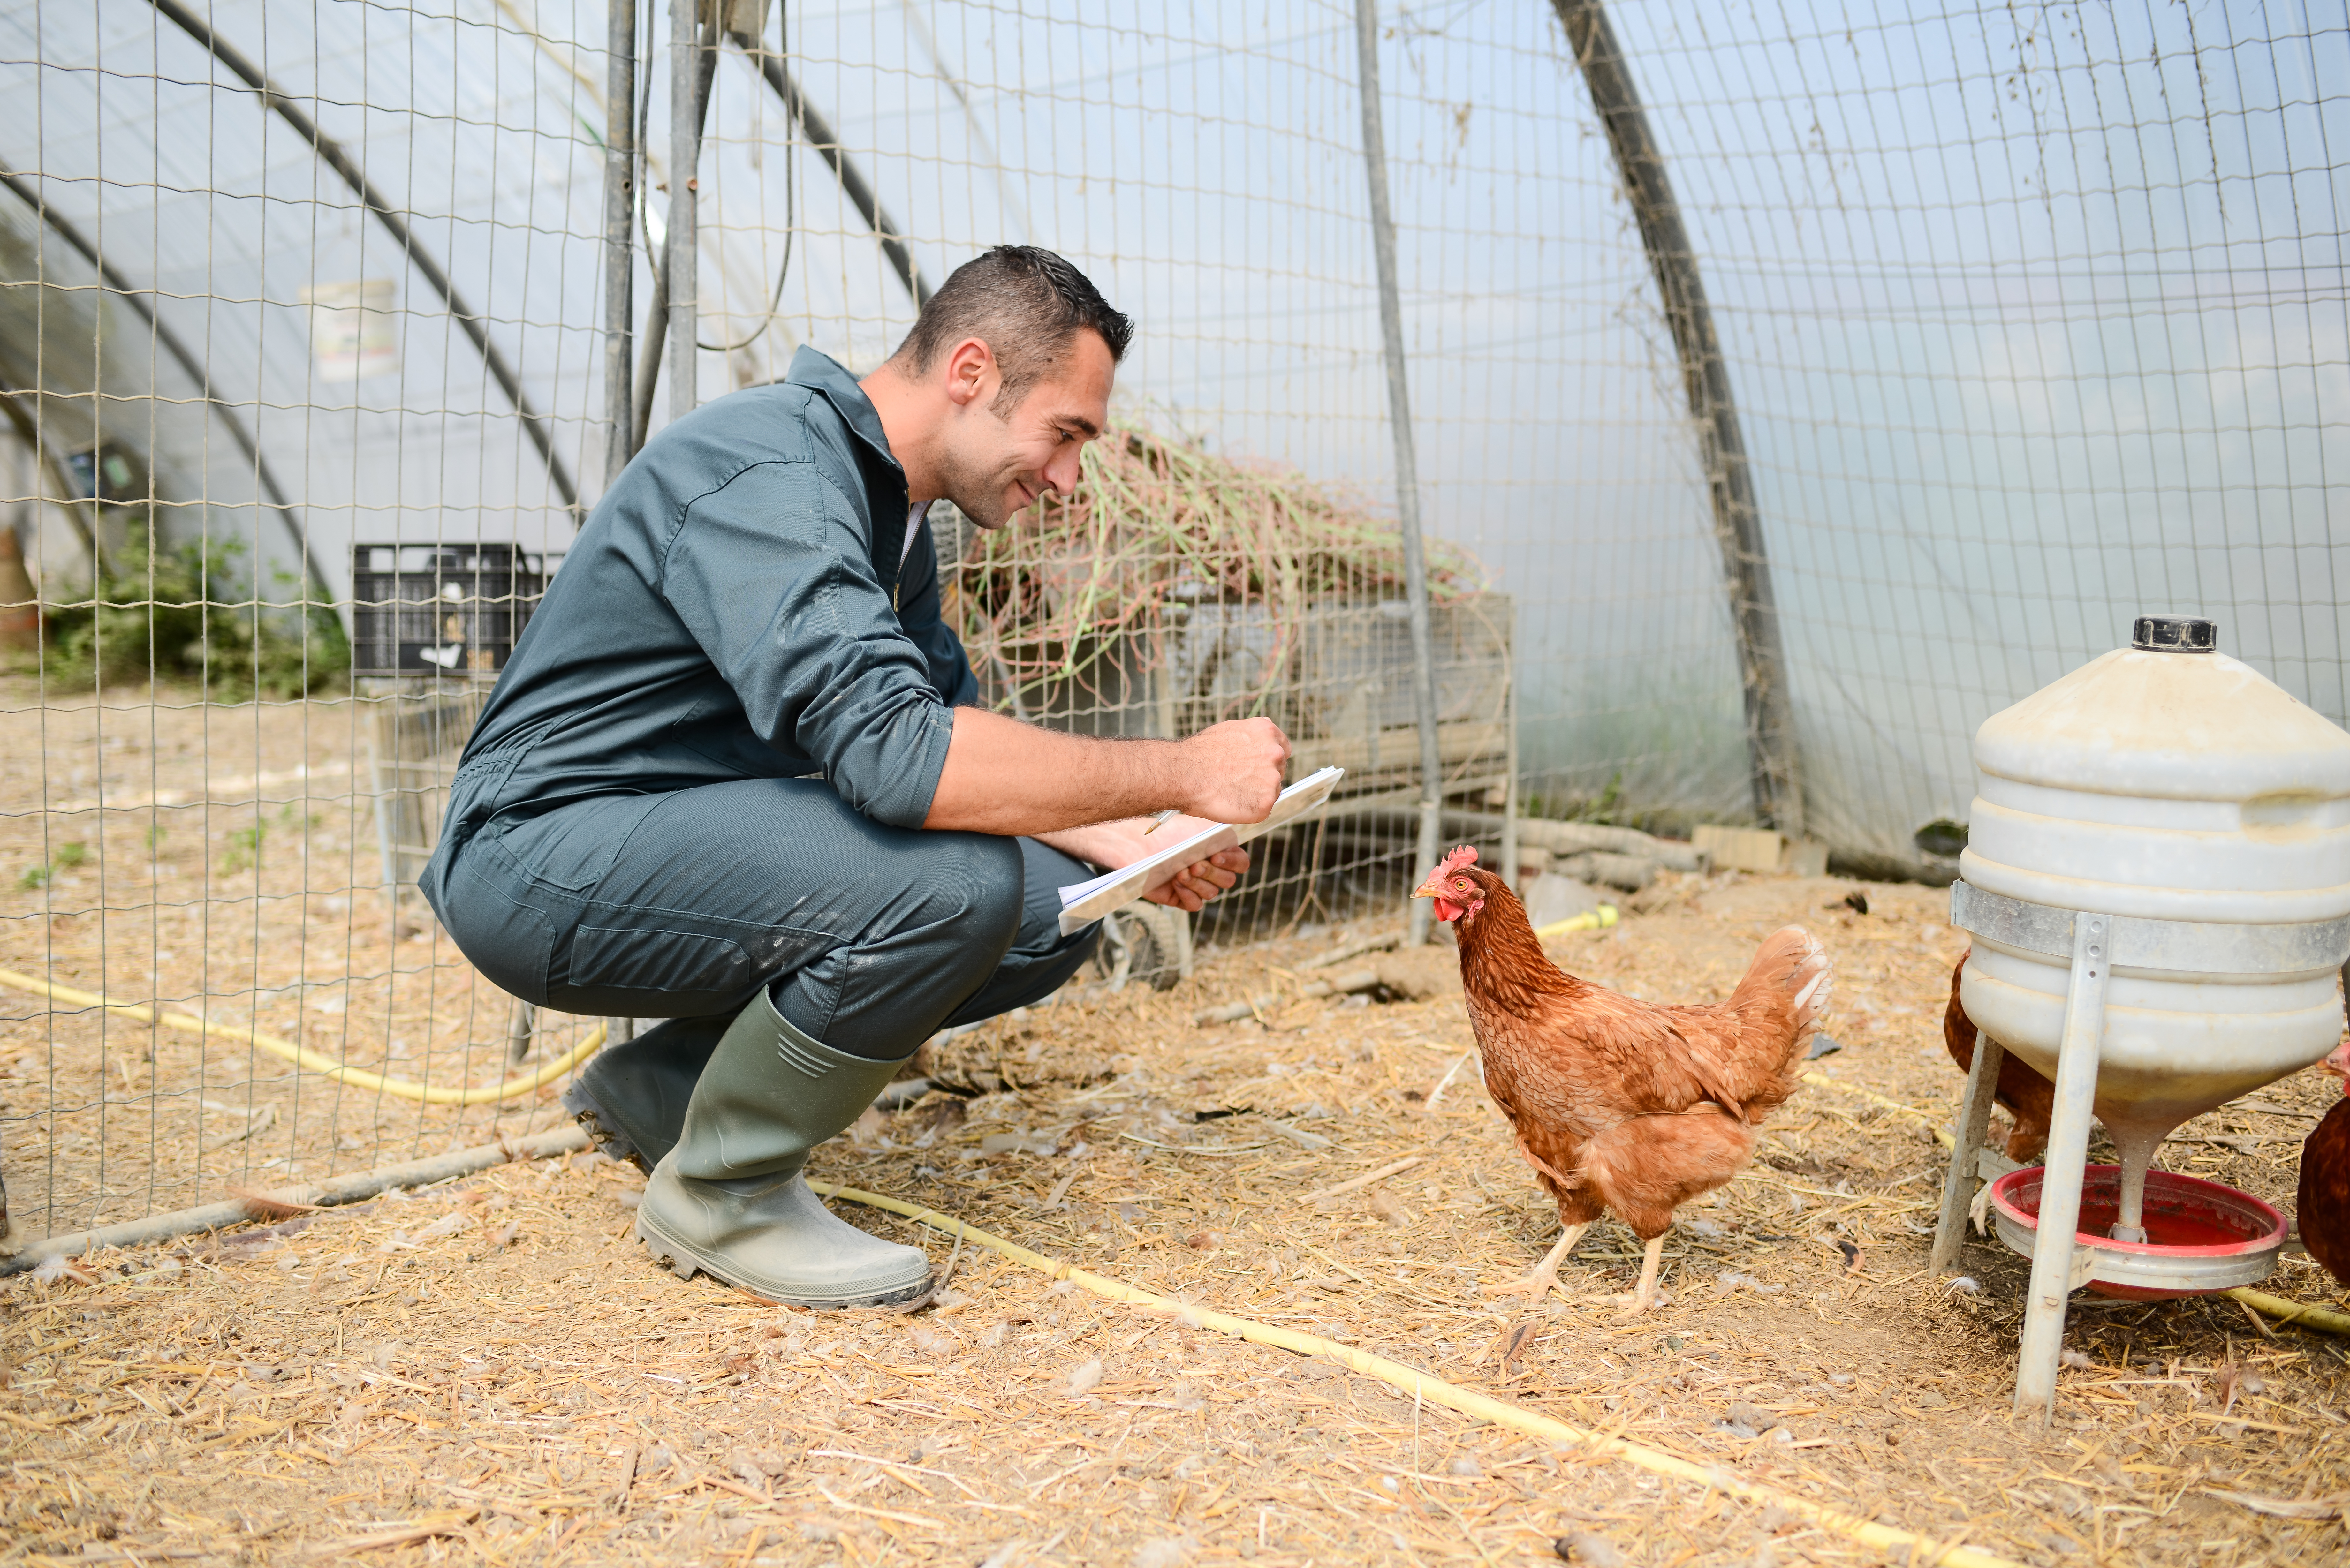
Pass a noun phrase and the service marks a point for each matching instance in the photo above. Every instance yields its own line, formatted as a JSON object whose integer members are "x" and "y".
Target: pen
{"x": 1159, "y": 819}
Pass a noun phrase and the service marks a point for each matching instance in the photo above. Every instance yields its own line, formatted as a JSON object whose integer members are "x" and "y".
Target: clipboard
{"x": 1083, "y": 903}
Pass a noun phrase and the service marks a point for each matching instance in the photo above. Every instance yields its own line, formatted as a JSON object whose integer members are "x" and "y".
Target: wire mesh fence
{"x": 1877, "y": 364}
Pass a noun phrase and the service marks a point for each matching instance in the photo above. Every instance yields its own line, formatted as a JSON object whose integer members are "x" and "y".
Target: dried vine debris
{"x": 1158, "y": 526}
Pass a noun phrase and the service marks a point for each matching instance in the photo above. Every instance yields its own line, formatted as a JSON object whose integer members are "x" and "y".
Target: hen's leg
{"x": 1644, "y": 1294}
{"x": 1543, "y": 1277}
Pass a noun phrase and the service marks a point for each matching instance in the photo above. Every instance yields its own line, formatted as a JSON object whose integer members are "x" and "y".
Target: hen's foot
{"x": 1644, "y": 1294}
{"x": 1536, "y": 1284}
{"x": 1542, "y": 1278}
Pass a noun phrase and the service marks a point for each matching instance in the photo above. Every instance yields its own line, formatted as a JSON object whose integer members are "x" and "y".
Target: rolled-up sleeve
{"x": 771, "y": 574}
{"x": 919, "y": 613}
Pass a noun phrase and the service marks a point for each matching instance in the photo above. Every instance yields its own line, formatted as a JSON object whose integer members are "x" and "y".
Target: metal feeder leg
{"x": 1966, "y": 1153}
{"x": 520, "y": 1026}
{"x": 2060, "y": 1182}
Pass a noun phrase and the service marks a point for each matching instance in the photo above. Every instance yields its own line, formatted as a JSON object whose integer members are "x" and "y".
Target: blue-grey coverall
{"x": 706, "y": 766}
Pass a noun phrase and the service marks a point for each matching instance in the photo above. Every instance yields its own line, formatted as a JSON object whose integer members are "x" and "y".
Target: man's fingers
{"x": 1210, "y": 872}
{"x": 1240, "y": 768}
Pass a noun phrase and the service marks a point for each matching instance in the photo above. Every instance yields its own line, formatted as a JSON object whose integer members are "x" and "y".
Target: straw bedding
{"x": 494, "y": 1371}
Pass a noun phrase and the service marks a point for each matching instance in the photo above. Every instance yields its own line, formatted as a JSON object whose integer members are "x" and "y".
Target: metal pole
{"x": 1407, "y": 460}
{"x": 2061, "y": 1174}
{"x": 620, "y": 234}
{"x": 333, "y": 1191}
{"x": 1966, "y": 1154}
{"x": 656, "y": 334}
{"x": 685, "y": 46}
{"x": 625, "y": 430}
{"x": 1510, "y": 854}
{"x": 1778, "y": 784}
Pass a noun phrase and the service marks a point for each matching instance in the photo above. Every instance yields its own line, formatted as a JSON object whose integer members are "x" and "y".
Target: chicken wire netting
{"x": 2029, "y": 319}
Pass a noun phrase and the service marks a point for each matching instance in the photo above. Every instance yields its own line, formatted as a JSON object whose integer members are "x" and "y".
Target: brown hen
{"x": 2322, "y": 1213}
{"x": 2029, "y": 1098}
{"x": 1620, "y": 1105}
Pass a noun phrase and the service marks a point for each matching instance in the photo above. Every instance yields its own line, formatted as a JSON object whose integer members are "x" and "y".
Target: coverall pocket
{"x": 678, "y": 965}
{"x": 574, "y": 846}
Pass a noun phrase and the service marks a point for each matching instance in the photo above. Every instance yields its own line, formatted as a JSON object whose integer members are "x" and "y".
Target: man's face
{"x": 997, "y": 463}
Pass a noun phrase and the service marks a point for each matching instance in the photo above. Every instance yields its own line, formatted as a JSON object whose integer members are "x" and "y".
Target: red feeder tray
{"x": 2201, "y": 1237}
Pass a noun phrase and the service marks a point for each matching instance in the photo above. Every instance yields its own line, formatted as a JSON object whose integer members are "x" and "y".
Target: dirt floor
{"x": 221, "y": 860}
{"x": 494, "y": 1371}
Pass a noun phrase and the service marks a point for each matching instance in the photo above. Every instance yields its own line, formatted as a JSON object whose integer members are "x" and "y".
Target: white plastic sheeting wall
{"x": 2033, "y": 316}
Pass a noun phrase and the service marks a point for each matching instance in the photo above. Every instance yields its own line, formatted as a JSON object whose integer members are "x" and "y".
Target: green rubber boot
{"x": 631, "y": 1097}
{"x": 728, "y": 1200}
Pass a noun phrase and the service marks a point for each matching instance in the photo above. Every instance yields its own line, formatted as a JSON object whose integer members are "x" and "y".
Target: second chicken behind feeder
{"x": 1621, "y": 1106}
{"x": 2322, "y": 1213}
{"x": 2026, "y": 1097}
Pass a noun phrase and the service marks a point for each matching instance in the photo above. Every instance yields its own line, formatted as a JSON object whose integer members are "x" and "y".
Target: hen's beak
{"x": 1428, "y": 889}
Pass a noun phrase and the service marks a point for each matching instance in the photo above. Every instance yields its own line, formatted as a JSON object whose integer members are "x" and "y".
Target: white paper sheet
{"x": 1083, "y": 903}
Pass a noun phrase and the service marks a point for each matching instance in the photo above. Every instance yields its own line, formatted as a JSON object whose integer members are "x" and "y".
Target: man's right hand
{"x": 1233, "y": 770}
{"x": 1006, "y": 777}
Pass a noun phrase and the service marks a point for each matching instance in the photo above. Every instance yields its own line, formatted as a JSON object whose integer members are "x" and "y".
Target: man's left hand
{"x": 1202, "y": 880}
{"x": 1119, "y": 844}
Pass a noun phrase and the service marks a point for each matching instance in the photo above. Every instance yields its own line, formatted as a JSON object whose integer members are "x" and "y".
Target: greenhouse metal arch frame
{"x": 1729, "y": 482}
{"x": 331, "y": 153}
{"x": 21, "y": 188}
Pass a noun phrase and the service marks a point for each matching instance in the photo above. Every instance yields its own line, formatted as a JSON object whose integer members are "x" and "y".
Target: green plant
{"x": 244, "y": 849}
{"x": 73, "y": 854}
{"x": 180, "y": 612}
{"x": 1603, "y": 809}
{"x": 34, "y": 877}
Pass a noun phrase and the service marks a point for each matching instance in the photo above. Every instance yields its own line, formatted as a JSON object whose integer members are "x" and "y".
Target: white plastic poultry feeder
{"x": 2157, "y": 880}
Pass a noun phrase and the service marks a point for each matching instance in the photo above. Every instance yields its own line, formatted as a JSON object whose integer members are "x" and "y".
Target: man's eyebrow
{"x": 1081, "y": 422}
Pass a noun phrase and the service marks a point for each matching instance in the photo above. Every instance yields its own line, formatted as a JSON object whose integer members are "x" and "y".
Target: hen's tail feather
{"x": 1791, "y": 969}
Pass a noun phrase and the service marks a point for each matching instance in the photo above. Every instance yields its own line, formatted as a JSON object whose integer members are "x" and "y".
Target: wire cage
{"x": 1789, "y": 391}
{"x": 1177, "y": 591}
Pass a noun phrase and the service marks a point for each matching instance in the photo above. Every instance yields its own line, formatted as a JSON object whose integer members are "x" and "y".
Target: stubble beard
{"x": 977, "y": 494}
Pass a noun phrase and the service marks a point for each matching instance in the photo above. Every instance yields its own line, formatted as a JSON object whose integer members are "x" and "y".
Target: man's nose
{"x": 1062, "y": 473}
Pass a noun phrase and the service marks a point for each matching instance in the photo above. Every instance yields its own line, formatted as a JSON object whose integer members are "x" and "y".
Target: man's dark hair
{"x": 1025, "y": 304}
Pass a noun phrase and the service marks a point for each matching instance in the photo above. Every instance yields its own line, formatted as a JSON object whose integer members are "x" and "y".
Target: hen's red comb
{"x": 1464, "y": 855}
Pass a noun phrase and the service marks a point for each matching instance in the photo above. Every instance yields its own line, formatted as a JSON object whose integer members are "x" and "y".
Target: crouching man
{"x": 731, "y": 777}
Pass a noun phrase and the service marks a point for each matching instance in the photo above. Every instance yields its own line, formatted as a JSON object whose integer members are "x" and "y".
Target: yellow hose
{"x": 2290, "y": 1312}
{"x": 1918, "y": 1549}
{"x": 1598, "y": 919}
{"x": 303, "y": 1057}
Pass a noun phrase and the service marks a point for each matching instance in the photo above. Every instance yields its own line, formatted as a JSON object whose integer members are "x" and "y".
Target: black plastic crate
{"x": 440, "y": 609}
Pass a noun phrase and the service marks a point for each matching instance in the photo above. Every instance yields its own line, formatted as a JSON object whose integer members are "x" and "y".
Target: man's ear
{"x": 971, "y": 373}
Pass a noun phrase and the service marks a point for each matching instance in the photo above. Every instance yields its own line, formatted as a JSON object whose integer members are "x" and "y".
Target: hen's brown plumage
{"x": 2030, "y": 1099}
{"x": 1619, "y": 1105}
{"x": 2322, "y": 1208}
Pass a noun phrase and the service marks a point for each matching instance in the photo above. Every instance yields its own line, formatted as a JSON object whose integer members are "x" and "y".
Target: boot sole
{"x": 607, "y": 1141}
{"x": 684, "y": 1263}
